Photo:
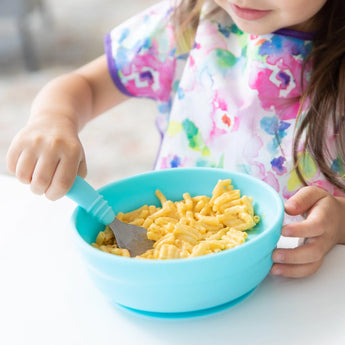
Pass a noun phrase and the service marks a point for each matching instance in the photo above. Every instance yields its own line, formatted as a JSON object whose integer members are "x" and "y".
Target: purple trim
{"x": 112, "y": 66}
{"x": 307, "y": 36}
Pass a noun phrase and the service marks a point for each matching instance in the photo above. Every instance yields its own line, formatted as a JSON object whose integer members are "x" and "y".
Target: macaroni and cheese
{"x": 190, "y": 227}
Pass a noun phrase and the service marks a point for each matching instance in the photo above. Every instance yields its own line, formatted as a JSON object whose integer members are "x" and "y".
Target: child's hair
{"x": 324, "y": 94}
{"x": 186, "y": 19}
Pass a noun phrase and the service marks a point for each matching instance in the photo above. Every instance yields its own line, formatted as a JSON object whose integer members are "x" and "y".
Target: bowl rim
{"x": 213, "y": 256}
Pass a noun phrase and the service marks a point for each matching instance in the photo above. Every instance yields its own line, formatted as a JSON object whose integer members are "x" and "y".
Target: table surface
{"x": 46, "y": 296}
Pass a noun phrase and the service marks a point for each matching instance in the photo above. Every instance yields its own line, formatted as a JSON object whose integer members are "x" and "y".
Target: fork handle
{"x": 91, "y": 201}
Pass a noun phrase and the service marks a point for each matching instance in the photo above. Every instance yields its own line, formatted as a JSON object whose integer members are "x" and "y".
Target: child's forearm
{"x": 67, "y": 97}
{"x": 78, "y": 96}
{"x": 47, "y": 152}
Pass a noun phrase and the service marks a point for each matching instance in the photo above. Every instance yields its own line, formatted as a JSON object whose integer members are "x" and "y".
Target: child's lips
{"x": 249, "y": 13}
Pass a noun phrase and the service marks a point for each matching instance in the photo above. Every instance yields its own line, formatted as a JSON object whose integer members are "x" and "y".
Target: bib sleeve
{"x": 141, "y": 53}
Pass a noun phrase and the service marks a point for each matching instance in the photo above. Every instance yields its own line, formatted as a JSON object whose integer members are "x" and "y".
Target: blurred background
{"x": 41, "y": 39}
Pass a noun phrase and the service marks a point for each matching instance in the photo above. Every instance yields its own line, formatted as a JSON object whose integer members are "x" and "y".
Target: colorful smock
{"x": 230, "y": 102}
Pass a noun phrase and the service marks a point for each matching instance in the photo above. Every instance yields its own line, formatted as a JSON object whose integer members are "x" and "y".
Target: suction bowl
{"x": 181, "y": 285}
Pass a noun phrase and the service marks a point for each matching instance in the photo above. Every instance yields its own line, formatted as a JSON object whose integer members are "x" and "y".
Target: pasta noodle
{"x": 190, "y": 227}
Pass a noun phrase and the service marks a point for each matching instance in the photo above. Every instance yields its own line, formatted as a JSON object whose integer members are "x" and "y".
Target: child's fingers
{"x": 82, "y": 169}
{"x": 301, "y": 261}
{"x": 12, "y": 157}
{"x": 316, "y": 223}
{"x": 313, "y": 251}
{"x": 25, "y": 166}
{"x": 63, "y": 179}
{"x": 304, "y": 200}
{"x": 295, "y": 271}
{"x": 310, "y": 227}
{"x": 43, "y": 173}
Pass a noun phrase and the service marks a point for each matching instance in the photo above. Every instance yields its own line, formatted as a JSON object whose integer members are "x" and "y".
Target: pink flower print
{"x": 191, "y": 61}
{"x": 222, "y": 120}
{"x": 278, "y": 87}
{"x": 147, "y": 76}
{"x": 328, "y": 187}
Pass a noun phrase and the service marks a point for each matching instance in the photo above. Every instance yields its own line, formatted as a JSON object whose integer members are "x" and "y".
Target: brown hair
{"x": 324, "y": 94}
{"x": 186, "y": 19}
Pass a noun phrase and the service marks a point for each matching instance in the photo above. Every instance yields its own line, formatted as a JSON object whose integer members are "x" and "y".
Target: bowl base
{"x": 189, "y": 314}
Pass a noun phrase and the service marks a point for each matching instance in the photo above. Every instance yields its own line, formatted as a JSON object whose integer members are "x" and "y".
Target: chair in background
{"x": 20, "y": 10}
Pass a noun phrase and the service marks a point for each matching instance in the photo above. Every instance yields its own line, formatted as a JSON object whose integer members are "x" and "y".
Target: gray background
{"x": 66, "y": 35}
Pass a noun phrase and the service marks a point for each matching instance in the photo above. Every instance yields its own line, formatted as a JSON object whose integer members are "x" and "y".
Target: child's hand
{"x": 323, "y": 228}
{"x": 47, "y": 154}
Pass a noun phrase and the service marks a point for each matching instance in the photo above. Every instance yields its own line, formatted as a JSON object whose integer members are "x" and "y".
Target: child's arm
{"x": 323, "y": 228}
{"x": 47, "y": 152}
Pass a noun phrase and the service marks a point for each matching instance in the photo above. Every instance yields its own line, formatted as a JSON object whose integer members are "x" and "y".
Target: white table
{"x": 46, "y": 297}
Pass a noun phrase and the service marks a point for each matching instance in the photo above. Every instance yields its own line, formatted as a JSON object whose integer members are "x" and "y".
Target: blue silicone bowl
{"x": 181, "y": 285}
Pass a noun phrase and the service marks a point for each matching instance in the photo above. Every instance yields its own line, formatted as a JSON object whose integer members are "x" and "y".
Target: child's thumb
{"x": 304, "y": 200}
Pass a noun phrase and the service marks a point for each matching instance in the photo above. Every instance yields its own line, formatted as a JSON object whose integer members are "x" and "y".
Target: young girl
{"x": 252, "y": 86}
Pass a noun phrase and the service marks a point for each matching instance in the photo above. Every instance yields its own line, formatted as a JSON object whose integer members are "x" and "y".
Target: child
{"x": 252, "y": 86}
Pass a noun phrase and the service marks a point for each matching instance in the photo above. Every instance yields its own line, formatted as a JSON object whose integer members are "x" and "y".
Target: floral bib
{"x": 231, "y": 102}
